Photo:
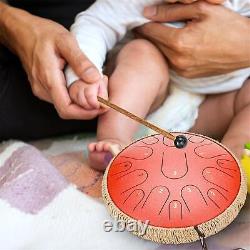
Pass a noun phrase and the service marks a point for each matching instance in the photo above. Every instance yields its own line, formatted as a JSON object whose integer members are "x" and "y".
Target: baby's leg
{"x": 238, "y": 132}
{"x": 227, "y": 117}
{"x": 138, "y": 84}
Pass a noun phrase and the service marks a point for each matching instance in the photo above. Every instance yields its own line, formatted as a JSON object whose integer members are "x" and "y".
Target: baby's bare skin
{"x": 138, "y": 83}
{"x": 227, "y": 117}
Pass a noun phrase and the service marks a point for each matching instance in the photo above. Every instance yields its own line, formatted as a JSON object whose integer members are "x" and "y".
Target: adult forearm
{"x": 3, "y": 8}
{"x": 13, "y": 27}
{"x": 247, "y": 44}
{"x": 240, "y": 55}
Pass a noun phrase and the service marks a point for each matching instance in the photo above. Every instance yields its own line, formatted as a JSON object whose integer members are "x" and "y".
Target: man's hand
{"x": 214, "y": 41}
{"x": 44, "y": 47}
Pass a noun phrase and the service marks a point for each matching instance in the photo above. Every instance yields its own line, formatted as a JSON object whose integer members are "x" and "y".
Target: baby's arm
{"x": 106, "y": 22}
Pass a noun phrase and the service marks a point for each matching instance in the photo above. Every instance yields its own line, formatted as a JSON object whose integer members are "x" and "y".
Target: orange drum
{"x": 180, "y": 192}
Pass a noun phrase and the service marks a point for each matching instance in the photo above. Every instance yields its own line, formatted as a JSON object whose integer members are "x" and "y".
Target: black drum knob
{"x": 180, "y": 141}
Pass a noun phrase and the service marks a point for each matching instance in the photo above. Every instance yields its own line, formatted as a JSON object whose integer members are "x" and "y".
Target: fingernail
{"x": 92, "y": 74}
{"x": 150, "y": 11}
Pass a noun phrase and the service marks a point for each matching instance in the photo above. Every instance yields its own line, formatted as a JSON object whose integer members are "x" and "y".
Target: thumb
{"x": 173, "y": 12}
{"x": 80, "y": 64}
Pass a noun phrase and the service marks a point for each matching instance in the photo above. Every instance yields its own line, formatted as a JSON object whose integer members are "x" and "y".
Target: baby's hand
{"x": 85, "y": 94}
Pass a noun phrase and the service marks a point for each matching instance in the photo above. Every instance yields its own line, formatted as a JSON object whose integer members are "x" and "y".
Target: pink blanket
{"x": 51, "y": 199}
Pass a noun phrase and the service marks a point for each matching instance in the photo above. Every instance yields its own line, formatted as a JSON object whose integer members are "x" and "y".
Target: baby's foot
{"x": 102, "y": 152}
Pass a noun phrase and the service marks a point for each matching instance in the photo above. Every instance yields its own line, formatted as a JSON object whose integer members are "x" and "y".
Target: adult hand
{"x": 44, "y": 47}
{"x": 214, "y": 41}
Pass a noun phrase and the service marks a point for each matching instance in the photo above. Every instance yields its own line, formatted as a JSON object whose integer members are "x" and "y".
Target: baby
{"x": 139, "y": 78}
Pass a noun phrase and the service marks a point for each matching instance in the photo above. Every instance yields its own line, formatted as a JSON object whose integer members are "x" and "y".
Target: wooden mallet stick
{"x": 136, "y": 118}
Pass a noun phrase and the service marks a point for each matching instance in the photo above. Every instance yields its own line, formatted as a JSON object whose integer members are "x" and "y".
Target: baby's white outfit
{"x": 106, "y": 22}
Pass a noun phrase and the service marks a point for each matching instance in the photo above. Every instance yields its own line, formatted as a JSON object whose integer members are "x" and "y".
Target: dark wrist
{"x": 3, "y": 9}
{"x": 12, "y": 25}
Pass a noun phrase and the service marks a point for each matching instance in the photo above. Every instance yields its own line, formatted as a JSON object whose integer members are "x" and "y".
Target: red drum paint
{"x": 174, "y": 188}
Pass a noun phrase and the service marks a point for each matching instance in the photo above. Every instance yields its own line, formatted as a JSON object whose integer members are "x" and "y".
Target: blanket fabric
{"x": 51, "y": 199}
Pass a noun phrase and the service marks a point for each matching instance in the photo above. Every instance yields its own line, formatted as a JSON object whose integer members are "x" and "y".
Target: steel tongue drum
{"x": 183, "y": 189}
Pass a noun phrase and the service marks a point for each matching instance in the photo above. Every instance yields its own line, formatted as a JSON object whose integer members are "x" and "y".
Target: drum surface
{"x": 174, "y": 188}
